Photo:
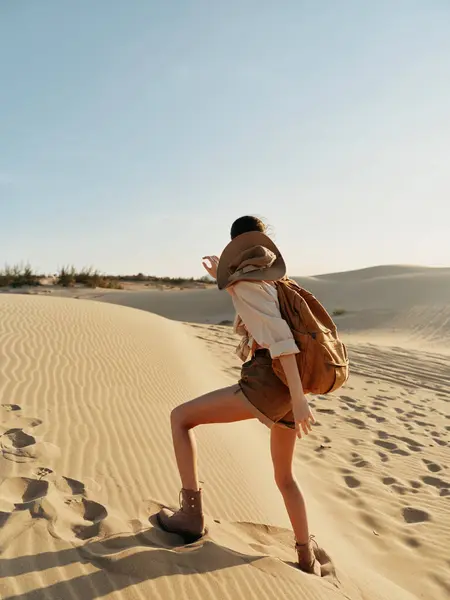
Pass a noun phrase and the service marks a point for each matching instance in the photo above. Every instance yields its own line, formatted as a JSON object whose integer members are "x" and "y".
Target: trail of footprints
{"x": 389, "y": 445}
{"x": 31, "y": 491}
{"x": 423, "y": 370}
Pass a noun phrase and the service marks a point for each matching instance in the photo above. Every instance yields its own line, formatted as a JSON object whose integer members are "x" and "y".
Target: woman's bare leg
{"x": 221, "y": 406}
{"x": 282, "y": 445}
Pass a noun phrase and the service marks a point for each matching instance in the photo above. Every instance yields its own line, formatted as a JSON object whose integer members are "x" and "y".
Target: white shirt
{"x": 256, "y": 303}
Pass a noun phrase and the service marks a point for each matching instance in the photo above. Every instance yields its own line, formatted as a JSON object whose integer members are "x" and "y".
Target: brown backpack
{"x": 322, "y": 362}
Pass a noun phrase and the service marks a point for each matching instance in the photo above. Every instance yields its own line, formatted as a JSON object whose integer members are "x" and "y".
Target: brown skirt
{"x": 268, "y": 397}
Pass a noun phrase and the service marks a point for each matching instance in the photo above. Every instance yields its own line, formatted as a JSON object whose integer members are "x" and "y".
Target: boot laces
{"x": 189, "y": 500}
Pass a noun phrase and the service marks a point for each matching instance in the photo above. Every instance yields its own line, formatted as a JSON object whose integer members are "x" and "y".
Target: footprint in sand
{"x": 415, "y": 484}
{"x": 11, "y": 418}
{"x": 357, "y": 422}
{"x": 348, "y": 399}
{"x": 88, "y": 510}
{"x": 359, "y": 461}
{"x": 70, "y": 515}
{"x": 440, "y": 442}
{"x": 431, "y": 466}
{"x": 409, "y": 441}
{"x": 15, "y": 442}
{"x": 389, "y": 480}
{"x": 352, "y": 482}
{"x": 415, "y": 413}
{"x": 392, "y": 447}
{"x": 384, "y": 444}
{"x": 66, "y": 485}
{"x": 415, "y": 515}
{"x": 383, "y": 457}
{"x": 423, "y": 424}
{"x": 22, "y": 490}
{"x": 379, "y": 401}
{"x": 395, "y": 485}
{"x": 377, "y": 418}
{"x": 345, "y": 471}
{"x": 412, "y": 542}
{"x": 61, "y": 501}
{"x": 10, "y": 407}
{"x": 74, "y": 518}
{"x": 19, "y": 446}
{"x": 436, "y": 482}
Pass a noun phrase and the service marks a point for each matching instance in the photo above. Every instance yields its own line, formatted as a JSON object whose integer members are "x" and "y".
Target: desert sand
{"x": 87, "y": 384}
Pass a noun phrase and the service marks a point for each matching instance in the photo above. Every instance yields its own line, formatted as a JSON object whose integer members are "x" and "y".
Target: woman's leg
{"x": 282, "y": 445}
{"x": 221, "y": 406}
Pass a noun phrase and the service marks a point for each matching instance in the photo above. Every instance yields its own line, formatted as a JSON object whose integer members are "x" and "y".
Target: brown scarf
{"x": 256, "y": 258}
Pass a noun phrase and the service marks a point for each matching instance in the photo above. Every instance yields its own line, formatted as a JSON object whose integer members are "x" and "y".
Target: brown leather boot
{"x": 189, "y": 521}
{"x": 306, "y": 558}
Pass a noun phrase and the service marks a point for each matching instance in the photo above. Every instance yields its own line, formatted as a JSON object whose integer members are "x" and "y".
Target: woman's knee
{"x": 179, "y": 418}
{"x": 285, "y": 481}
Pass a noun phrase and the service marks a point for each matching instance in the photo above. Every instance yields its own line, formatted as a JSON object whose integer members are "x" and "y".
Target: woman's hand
{"x": 212, "y": 267}
{"x": 303, "y": 416}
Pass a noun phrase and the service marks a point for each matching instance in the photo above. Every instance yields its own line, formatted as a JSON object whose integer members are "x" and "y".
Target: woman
{"x": 247, "y": 268}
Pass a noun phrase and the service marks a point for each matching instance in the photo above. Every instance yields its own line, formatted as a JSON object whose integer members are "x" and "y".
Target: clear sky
{"x": 133, "y": 132}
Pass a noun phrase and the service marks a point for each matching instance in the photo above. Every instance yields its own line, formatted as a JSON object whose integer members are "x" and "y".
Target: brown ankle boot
{"x": 188, "y": 521}
{"x": 306, "y": 558}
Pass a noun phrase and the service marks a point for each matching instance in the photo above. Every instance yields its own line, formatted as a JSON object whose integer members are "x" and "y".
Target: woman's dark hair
{"x": 246, "y": 224}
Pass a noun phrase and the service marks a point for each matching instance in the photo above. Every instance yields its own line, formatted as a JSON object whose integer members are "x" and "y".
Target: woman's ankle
{"x": 191, "y": 488}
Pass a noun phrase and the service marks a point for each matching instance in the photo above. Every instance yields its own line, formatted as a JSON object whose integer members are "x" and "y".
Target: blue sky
{"x": 132, "y": 133}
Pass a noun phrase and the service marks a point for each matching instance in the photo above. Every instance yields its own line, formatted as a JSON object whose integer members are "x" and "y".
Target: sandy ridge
{"x": 86, "y": 390}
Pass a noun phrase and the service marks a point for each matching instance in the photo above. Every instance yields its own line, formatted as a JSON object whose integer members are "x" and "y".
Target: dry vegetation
{"x": 89, "y": 277}
{"x": 18, "y": 276}
{"x": 69, "y": 276}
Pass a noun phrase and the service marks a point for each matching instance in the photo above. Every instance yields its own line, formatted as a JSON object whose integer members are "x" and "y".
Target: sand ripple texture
{"x": 86, "y": 389}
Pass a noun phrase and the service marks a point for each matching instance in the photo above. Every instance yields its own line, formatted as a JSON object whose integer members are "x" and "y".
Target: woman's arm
{"x": 302, "y": 413}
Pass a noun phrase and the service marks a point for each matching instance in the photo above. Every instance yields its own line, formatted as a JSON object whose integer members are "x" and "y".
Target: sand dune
{"x": 411, "y": 302}
{"x": 86, "y": 459}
